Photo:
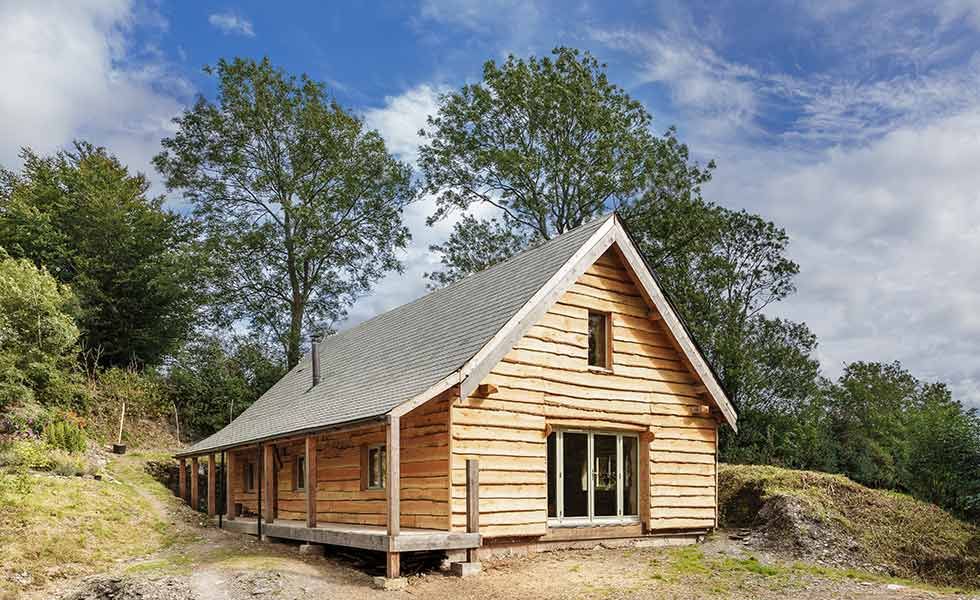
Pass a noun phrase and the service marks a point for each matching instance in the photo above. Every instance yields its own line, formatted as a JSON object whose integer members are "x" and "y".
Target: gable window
{"x": 299, "y": 474}
{"x": 592, "y": 477}
{"x": 248, "y": 477}
{"x": 374, "y": 468}
{"x": 599, "y": 349}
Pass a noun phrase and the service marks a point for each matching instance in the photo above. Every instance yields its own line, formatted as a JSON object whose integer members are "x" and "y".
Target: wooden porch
{"x": 364, "y": 537}
{"x": 262, "y": 516}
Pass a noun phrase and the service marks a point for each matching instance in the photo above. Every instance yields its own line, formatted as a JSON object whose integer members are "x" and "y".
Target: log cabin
{"x": 554, "y": 399}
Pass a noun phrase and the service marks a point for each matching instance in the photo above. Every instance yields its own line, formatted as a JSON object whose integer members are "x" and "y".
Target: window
{"x": 299, "y": 473}
{"x": 592, "y": 477}
{"x": 374, "y": 468}
{"x": 599, "y": 340}
{"x": 249, "y": 477}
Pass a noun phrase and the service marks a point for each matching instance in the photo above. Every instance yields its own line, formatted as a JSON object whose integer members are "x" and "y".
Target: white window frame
{"x": 592, "y": 519}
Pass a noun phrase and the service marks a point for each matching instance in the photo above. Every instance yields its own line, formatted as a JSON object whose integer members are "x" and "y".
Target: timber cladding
{"x": 545, "y": 382}
{"x": 340, "y": 497}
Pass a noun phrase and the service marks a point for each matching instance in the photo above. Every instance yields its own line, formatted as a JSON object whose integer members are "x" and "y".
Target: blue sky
{"x": 854, "y": 125}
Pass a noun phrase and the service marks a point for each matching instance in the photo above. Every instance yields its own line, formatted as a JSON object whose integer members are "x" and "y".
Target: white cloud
{"x": 885, "y": 234}
{"x": 401, "y": 118}
{"x": 231, "y": 23}
{"x": 67, "y": 75}
{"x": 483, "y": 15}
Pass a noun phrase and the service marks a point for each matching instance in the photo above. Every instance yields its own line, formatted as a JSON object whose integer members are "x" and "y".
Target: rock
{"x": 311, "y": 549}
{"x": 465, "y": 569}
{"x": 390, "y": 584}
{"x": 894, "y": 587}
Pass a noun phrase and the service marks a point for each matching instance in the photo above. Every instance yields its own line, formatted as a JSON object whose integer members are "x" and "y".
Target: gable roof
{"x": 404, "y": 357}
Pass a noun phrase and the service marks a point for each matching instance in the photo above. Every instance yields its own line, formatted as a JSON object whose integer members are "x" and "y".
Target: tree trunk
{"x": 295, "y": 334}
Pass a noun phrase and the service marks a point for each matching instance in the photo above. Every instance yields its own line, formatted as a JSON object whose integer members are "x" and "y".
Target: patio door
{"x": 592, "y": 478}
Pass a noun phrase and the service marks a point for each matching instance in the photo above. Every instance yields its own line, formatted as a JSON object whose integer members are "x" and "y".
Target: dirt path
{"x": 204, "y": 562}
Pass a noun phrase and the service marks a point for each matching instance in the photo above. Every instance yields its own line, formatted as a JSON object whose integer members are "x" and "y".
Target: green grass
{"x": 909, "y": 538}
{"x": 55, "y": 527}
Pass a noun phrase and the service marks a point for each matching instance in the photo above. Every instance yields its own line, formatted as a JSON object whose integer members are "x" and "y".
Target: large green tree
{"x": 92, "y": 224}
{"x": 301, "y": 203}
{"x": 546, "y": 144}
{"x": 38, "y": 337}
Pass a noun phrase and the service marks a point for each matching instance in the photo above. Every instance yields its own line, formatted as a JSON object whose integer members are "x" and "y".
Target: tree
{"x": 301, "y": 205}
{"x": 131, "y": 263}
{"x": 38, "y": 337}
{"x": 212, "y": 380}
{"x": 548, "y": 144}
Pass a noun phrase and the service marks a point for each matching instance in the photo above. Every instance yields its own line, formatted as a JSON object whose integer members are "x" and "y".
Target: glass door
{"x": 592, "y": 477}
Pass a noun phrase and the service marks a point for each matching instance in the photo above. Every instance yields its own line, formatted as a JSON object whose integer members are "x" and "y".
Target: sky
{"x": 853, "y": 125}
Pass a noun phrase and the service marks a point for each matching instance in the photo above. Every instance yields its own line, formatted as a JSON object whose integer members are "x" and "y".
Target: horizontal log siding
{"x": 545, "y": 380}
{"x": 340, "y": 499}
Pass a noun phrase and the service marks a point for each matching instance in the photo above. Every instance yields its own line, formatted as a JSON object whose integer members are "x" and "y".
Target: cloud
{"x": 885, "y": 234}
{"x": 76, "y": 73}
{"x": 482, "y": 15}
{"x": 230, "y": 23}
{"x": 401, "y": 118}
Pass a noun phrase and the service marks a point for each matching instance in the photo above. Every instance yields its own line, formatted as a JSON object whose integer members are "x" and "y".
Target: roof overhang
{"x": 610, "y": 234}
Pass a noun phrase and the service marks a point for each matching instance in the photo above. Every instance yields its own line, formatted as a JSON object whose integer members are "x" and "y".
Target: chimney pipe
{"x": 315, "y": 358}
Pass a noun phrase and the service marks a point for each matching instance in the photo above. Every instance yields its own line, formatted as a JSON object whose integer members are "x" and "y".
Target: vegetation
{"x": 65, "y": 435}
{"x": 131, "y": 264}
{"x": 301, "y": 205}
{"x": 804, "y": 510}
{"x": 57, "y": 528}
{"x": 550, "y": 144}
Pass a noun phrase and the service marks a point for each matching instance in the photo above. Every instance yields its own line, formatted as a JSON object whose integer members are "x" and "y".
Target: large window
{"x": 592, "y": 477}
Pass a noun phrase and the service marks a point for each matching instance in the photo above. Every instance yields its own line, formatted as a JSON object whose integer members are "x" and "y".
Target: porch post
{"x": 472, "y": 505}
{"x": 644, "y": 467}
{"x": 195, "y": 495}
{"x": 229, "y": 477}
{"x": 182, "y": 480}
{"x": 212, "y": 491}
{"x": 393, "y": 485}
{"x": 310, "y": 462}
{"x": 269, "y": 480}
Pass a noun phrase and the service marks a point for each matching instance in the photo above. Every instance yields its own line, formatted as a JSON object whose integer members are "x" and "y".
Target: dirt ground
{"x": 227, "y": 566}
{"x": 208, "y": 563}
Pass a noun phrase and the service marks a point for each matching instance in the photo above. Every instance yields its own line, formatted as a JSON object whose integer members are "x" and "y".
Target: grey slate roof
{"x": 373, "y": 367}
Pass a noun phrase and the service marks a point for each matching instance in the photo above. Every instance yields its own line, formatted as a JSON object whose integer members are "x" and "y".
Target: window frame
{"x": 366, "y": 483}
{"x": 591, "y": 519}
{"x": 299, "y": 473}
{"x": 607, "y": 355}
{"x": 248, "y": 477}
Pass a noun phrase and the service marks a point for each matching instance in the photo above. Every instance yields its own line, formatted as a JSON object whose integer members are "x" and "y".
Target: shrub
{"x": 65, "y": 435}
{"x": 26, "y": 454}
{"x": 67, "y": 465}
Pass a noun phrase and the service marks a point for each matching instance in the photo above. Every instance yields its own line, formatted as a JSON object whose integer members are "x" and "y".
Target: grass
{"x": 911, "y": 539}
{"x": 721, "y": 575}
{"x": 55, "y": 527}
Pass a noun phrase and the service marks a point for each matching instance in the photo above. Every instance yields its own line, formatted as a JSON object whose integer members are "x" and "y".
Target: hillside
{"x": 831, "y": 520}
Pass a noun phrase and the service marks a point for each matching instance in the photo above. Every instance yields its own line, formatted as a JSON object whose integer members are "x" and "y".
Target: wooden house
{"x": 553, "y": 398}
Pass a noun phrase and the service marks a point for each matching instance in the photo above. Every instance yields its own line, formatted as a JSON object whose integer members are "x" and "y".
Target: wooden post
{"x": 269, "y": 480}
{"x": 212, "y": 486}
{"x": 182, "y": 480}
{"x": 195, "y": 492}
{"x": 393, "y": 484}
{"x": 644, "y": 471}
{"x": 229, "y": 477}
{"x": 310, "y": 481}
{"x": 472, "y": 505}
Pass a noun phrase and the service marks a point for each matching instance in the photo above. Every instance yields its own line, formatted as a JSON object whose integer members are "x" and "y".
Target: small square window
{"x": 599, "y": 340}
{"x": 249, "y": 477}
{"x": 299, "y": 474}
{"x": 377, "y": 467}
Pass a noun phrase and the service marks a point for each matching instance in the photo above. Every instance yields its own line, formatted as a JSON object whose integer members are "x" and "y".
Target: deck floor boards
{"x": 365, "y": 537}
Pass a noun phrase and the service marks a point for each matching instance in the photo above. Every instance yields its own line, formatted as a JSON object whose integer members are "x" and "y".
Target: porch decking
{"x": 365, "y": 537}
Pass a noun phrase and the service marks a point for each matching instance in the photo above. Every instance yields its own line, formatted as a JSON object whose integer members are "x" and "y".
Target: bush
{"x": 65, "y": 464}
{"x": 66, "y": 436}
{"x": 27, "y": 454}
